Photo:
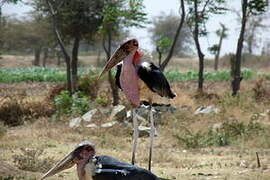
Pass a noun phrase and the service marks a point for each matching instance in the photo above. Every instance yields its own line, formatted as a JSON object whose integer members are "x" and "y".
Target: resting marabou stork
{"x": 128, "y": 78}
{"x": 91, "y": 167}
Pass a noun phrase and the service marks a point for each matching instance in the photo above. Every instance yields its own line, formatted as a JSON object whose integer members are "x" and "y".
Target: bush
{"x": 89, "y": 84}
{"x": 76, "y": 104}
{"x": 229, "y": 133}
{"x": 11, "y": 111}
{"x": 30, "y": 160}
{"x": 262, "y": 91}
{"x": 14, "y": 110}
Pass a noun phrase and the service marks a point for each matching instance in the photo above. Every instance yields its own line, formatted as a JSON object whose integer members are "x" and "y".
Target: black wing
{"x": 113, "y": 169}
{"x": 154, "y": 79}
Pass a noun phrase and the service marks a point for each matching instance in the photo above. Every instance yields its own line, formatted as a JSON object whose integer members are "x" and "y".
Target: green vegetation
{"x": 224, "y": 75}
{"x": 38, "y": 74}
{"x": 76, "y": 104}
{"x": 227, "y": 134}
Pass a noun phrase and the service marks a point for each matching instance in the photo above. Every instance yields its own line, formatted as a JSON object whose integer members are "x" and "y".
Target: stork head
{"x": 123, "y": 52}
{"x": 80, "y": 156}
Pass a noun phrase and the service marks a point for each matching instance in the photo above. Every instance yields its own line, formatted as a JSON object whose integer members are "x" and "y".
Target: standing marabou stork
{"x": 128, "y": 76}
{"x": 91, "y": 167}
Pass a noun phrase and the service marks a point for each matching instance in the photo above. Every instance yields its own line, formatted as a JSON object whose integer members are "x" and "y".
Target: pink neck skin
{"x": 85, "y": 155}
{"x": 129, "y": 81}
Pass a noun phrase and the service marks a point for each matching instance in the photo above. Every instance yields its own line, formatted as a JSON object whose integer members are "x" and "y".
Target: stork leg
{"x": 135, "y": 135}
{"x": 152, "y": 133}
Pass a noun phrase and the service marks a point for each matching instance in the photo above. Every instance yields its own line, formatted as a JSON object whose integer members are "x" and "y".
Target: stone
{"x": 217, "y": 127}
{"x": 165, "y": 108}
{"x": 92, "y": 125}
{"x": 109, "y": 124}
{"x": 145, "y": 131}
{"x": 243, "y": 164}
{"x": 118, "y": 113}
{"x": 92, "y": 115}
{"x": 206, "y": 110}
{"x": 129, "y": 115}
{"x": 76, "y": 122}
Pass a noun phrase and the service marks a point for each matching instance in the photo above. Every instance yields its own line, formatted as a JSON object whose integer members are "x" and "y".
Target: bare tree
{"x": 216, "y": 48}
{"x": 182, "y": 20}
{"x": 199, "y": 12}
{"x": 62, "y": 46}
{"x": 249, "y": 7}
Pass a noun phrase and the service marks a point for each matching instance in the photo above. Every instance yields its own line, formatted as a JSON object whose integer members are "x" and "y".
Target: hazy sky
{"x": 155, "y": 7}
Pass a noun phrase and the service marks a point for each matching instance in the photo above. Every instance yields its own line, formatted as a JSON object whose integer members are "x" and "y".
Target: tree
{"x": 249, "y": 8}
{"x": 26, "y": 35}
{"x": 162, "y": 46}
{"x": 117, "y": 15}
{"x": 216, "y": 48}
{"x": 1, "y": 4}
{"x": 73, "y": 20}
{"x": 199, "y": 13}
{"x": 163, "y": 32}
{"x": 174, "y": 38}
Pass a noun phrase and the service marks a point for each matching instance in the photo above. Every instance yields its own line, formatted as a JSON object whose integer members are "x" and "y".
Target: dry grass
{"x": 171, "y": 159}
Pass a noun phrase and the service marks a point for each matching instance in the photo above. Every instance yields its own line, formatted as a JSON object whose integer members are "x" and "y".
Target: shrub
{"x": 14, "y": 110}
{"x": 11, "y": 112}
{"x": 65, "y": 104}
{"x": 262, "y": 91}
{"x": 89, "y": 84}
{"x": 30, "y": 160}
{"x": 101, "y": 101}
{"x": 230, "y": 132}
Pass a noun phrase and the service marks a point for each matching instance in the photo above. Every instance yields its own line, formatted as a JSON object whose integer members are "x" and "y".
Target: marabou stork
{"x": 91, "y": 167}
{"x": 128, "y": 76}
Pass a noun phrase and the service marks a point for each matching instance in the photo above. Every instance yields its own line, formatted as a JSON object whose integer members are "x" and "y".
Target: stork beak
{"x": 68, "y": 161}
{"x": 119, "y": 55}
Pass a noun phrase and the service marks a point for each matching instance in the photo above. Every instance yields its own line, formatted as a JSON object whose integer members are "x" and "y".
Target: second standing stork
{"x": 128, "y": 75}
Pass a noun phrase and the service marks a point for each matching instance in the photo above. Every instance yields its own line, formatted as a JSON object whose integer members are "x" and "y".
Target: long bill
{"x": 68, "y": 161}
{"x": 119, "y": 55}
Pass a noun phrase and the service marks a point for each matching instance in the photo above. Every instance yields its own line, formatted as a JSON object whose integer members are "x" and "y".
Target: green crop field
{"x": 38, "y": 74}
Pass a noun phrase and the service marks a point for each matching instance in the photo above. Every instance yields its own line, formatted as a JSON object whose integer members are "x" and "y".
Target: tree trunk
{"x": 45, "y": 56}
{"x": 74, "y": 62}
{"x": 1, "y": 40}
{"x": 111, "y": 80}
{"x": 114, "y": 88}
{"x": 63, "y": 49}
{"x": 58, "y": 56}
{"x": 159, "y": 57}
{"x": 219, "y": 48}
{"x": 198, "y": 47}
{"x": 37, "y": 52}
{"x": 237, "y": 74}
{"x": 169, "y": 56}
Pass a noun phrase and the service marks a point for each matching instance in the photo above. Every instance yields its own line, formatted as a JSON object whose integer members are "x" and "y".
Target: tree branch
{"x": 169, "y": 56}
{"x": 205, "y": 5}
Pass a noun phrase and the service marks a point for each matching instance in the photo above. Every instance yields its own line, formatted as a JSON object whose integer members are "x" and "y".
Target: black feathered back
{"x": 155, "y": 79}
{"x": 152, "y": 76}
{"x": 113, "y": 169}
